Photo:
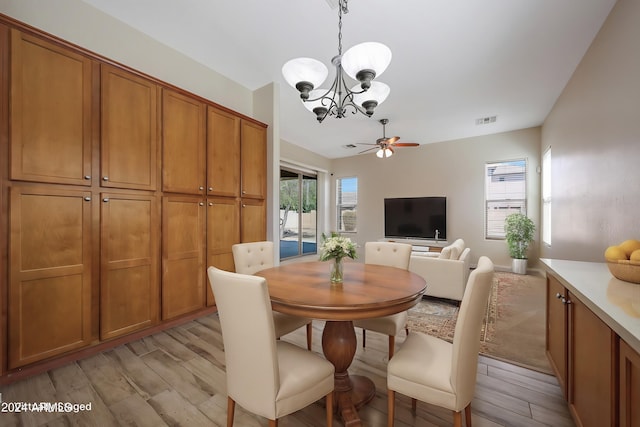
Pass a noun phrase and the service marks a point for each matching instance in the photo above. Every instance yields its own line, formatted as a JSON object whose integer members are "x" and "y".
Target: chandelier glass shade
{"x": 363, "y": 62}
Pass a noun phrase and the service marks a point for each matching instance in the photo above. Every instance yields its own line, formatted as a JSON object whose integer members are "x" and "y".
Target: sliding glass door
{"x": 298, "y": 224}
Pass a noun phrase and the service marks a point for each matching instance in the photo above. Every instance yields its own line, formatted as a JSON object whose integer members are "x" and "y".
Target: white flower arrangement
{"x": 337, "y": 247}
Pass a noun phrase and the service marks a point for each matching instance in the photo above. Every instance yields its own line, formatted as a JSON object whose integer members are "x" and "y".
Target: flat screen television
{"x": 416, "y": 218}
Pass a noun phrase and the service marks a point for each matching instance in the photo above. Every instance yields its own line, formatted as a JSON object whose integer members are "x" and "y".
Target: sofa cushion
{"x": 445, "y": 253}
{"x": 456, "y": 249}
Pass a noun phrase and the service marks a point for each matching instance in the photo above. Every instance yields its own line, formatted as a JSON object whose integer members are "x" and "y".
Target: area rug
{"x": 513, "y": 328}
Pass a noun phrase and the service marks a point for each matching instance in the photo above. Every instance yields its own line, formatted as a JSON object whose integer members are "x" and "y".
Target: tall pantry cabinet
{"x": 117, "y": 192}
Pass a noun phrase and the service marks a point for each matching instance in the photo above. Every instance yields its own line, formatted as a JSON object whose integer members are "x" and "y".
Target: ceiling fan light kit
{"x": 363, "y": 62}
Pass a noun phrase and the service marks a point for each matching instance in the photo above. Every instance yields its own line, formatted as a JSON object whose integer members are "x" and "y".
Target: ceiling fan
{"x": 384, "y": 145}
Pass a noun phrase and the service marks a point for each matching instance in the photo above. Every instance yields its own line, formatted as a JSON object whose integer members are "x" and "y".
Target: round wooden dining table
{"x": 368, "y": 290}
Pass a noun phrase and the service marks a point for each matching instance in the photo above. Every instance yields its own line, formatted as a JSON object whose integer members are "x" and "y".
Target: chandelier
{"x": 363, "y": 62}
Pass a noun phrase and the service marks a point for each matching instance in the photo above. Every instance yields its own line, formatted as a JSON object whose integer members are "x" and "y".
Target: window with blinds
{"x": 505, "y": 193}
{"x": 546, "y": 197}
{"x": 346, "y": 204}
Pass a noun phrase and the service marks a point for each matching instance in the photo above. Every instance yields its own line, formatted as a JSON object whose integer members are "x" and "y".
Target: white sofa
{"x": 447, "y": 274}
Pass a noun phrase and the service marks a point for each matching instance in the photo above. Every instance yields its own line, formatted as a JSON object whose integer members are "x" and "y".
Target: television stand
{"x": 422, "y": 247}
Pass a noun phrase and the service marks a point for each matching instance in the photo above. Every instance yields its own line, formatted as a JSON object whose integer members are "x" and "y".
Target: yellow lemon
{"x": 635, "y": 255}
{"x": 614, "y": 253}
{"x": 628, "y": 246}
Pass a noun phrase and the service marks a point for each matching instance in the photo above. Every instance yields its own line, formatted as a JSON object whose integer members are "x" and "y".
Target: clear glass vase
{"x": 336, "y": 271}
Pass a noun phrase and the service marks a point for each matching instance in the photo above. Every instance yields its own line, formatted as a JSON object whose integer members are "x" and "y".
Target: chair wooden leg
{"x": 231, "y": 406}
{"x": 392, "y": 346}
{"x": 273, "y": 423}
{"x": 414, "y": 406}
{"x": 467, "y": 415}
{"x": 364, "y": 338}
{"x": 391, "y": 407}
{"x": 309, "y": 335}
{"x": 457, "y": 419}
{"x": 329, "y": 405}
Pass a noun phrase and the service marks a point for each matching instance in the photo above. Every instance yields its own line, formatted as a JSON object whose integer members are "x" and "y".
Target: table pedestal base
{"x": 351, "y": 392}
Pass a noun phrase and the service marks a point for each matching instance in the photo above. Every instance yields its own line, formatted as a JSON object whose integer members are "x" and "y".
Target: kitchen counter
{"x": 615, "y": 302}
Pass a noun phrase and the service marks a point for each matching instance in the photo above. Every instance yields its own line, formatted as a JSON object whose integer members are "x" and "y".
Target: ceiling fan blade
{"x": 368, "y": 149}
{"x": 406, "y": 144}
{"x": 366, "y": 143}
{"x": 393, "y": 140}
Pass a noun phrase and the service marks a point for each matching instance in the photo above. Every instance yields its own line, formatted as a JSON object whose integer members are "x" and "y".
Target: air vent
{"x": 349, "y": 146}
{"x": 486, "y": 120}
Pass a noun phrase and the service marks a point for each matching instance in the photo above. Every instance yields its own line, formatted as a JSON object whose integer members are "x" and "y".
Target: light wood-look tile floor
{"x": 177, "y": 378}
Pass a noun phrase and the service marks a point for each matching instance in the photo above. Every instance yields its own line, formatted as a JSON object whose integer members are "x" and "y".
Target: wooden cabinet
{"x": 629, "y": 380}
{"x": 556, "y": 346}
{"x": 223, "y": 153}
{"x": 183, "y": 143}
{"x": 223, "y": 231}
{"x": 50, "y": 272}
{"x": 129, "y": 131}
{"x": 104, "y": 191}
{"x": 582, "y": 352}
{"x": 253, "y": 227}
{"x": 591, "y": 367}
{"x": 129, "y": 287}
{"x": 51, "y": 112}
{"x": 253, "y": 160}
{"x": 183, "y": 257}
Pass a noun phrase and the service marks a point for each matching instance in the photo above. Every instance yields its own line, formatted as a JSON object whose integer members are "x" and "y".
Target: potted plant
{"x": 519, "y": 231}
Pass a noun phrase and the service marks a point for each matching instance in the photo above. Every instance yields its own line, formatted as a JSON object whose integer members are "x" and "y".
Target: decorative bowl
{"x": 626, "y": 270}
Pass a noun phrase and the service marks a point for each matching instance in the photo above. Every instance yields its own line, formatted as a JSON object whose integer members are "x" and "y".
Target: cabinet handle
{"x": 244, "y": 206}
{"x": 87, "y": 199}
{"x": 210, "y": 188}
{"x": 558, "y": 295}
{"x": 244, "y": 192}
{"x": 106, "y": 199}
{"x": 201, "y": 188}
{"x": 565, "y": 301}
{"x": 210, "y": 204}
{"x": 201, "y": 203}
{"x": 87, "y": 177}
{"x": 105, "y": 178}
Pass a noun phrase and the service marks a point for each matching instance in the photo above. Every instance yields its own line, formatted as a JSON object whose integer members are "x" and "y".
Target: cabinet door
{"x": 557, "y": 330}
{"x": 254, "y": 224}
{"x": 629, "y": 386}
{"x": 183, "y": 247}
{"x": 223, "y": 153}
{"x": 591, "y": 367}
{"x": 254, "y": 160}
{"x": 49, "y": 273}
{"x": 183, "y": 143}
{"x": 129, "y": 130}
{"x": 129, "y": 289}
{"x": 223, "y": 231}
{"x": 51, "y": 118}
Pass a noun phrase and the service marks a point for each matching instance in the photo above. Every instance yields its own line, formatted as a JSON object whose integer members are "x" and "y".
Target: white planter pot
{"x": 519, "y": 266}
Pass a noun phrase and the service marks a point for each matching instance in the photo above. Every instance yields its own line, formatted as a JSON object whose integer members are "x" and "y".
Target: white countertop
{"x": 614, "y": 301}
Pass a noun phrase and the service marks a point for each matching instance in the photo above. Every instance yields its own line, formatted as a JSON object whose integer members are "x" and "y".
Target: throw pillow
{"x": 446, "y": 253}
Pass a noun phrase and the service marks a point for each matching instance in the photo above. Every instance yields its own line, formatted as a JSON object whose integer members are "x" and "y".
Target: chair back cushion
{"x": 250, "y": 258}
{"x": 466, "y": 338}
{"x": 244, "y": 308}
{"x": 388, "y": 253}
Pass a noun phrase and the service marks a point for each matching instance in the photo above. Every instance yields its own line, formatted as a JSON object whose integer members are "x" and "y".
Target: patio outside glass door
{"x": 298, "y": 224}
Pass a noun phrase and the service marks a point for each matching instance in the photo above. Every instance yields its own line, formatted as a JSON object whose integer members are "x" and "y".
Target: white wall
{"x": 594, "y": 134}
{"x": 454, "y": 169}
{"x": 77, "y": 22}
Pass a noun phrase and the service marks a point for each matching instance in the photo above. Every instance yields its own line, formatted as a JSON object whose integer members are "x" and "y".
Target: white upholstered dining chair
{"x": 432, "y": 370}
{"x": 394, "y": 255}
{"x": 265, "y": 376}
{"x": 250, "y": 258}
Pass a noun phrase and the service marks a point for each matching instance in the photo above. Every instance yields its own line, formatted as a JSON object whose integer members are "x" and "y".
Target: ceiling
{"x": 454, "y": 61}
